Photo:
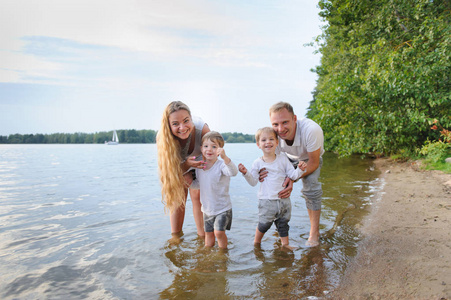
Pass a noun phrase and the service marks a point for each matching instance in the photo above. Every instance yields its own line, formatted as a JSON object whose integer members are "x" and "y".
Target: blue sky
{"x": 97, "y": 65}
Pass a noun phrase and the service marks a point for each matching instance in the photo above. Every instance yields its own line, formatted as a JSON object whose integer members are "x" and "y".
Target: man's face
{"x": 284, "y": 123}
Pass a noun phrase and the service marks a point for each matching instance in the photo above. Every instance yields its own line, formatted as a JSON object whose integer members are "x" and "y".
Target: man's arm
{"x": 312, "y": 165}
{"x": 313, "y": 162}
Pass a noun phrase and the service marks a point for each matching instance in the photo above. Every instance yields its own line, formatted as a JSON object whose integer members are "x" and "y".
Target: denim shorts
{"x": 219, "y": 222}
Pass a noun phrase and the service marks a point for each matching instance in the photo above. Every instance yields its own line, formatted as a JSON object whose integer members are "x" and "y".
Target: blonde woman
{"x": 178, "y": 143}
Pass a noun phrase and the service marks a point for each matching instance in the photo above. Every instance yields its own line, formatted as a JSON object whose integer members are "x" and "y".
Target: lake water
{"x": 86, "y": 221}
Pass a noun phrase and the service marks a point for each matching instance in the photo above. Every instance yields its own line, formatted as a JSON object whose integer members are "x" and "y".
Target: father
{"x": 301, "y": 140}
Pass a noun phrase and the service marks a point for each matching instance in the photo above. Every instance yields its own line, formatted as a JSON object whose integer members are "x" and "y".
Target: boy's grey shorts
{"x": 219, "y": 222}
{"x": 277, "y": 211}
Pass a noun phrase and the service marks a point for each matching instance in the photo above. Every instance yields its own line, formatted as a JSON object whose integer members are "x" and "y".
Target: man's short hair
{"x": 279, "y": 106}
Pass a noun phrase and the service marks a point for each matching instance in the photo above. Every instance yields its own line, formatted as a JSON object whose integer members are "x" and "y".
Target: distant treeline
{"x": 126, "y": 136}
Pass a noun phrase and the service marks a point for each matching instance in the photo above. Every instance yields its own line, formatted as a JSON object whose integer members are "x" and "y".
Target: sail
{"x": 115, "y": 138}
{"x": 114, "y": 141}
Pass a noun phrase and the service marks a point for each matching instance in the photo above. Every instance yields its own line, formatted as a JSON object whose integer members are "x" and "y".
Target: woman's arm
{"x": 191, "y": 161}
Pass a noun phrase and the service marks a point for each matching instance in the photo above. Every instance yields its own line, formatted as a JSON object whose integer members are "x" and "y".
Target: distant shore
{"x": 126, "y": 136}
{"x": 406, "y": 250}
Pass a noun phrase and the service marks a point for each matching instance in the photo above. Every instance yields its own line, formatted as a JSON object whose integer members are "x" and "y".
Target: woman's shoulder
{"x": 198, "y": 122}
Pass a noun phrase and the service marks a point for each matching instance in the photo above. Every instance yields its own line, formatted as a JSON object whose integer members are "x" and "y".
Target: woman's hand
{"x": 191, "y": 162}
{"x": 286, "y": 192}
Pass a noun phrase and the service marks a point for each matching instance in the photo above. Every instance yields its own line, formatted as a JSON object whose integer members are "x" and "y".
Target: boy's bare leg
{"x": 258, "y": 236}
{"x": 222, "y": 239}
{"x": 209, "y": 239}
{"x": 286, "y": 243}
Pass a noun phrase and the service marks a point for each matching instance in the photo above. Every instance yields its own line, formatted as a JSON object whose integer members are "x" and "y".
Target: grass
{"x": 441, "y": 166}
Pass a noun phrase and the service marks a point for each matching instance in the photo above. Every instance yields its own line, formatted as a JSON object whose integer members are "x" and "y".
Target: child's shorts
{"x": 274, "y": 211}
{"x": 220, "y": 222}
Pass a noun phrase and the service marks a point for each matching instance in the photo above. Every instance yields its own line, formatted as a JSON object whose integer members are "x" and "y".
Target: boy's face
{"x": 209, "y": 150}
{"x": 268, "y": 142}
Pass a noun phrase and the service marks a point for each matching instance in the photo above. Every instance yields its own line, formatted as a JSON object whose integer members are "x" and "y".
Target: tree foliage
{"x": 125, "y": 137}
{"x": 236, "y": 137}
{"x": 131, "y": 136}
{"x": 384, "y": 74}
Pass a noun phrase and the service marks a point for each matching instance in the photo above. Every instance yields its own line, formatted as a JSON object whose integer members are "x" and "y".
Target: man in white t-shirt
{"x": 301, "y": 140}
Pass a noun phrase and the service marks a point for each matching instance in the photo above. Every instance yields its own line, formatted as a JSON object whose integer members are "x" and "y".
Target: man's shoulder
{"x": 306, "y": 121}
{"x": 306, "y": 125}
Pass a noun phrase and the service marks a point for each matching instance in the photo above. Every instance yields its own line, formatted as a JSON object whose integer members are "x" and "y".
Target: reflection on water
{"x": 86, "y": 221}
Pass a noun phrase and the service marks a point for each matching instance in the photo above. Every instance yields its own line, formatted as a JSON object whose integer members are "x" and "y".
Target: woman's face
{"x": 181, "y": 124}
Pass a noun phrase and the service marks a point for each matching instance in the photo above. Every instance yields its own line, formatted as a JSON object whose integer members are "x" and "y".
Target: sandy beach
{"x": 406, "y": 249}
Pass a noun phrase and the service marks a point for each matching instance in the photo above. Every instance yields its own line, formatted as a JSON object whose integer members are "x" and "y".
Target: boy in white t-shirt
{"x": 213, "y": 181}
{"x": 271, "y": 208}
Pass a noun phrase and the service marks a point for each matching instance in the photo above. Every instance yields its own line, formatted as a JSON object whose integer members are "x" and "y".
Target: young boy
{"x": 213, "y": 181}
{"x": 272, "y": 209}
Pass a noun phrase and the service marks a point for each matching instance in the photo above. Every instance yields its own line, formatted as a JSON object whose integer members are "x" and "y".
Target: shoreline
{"x": 406, "y": 249}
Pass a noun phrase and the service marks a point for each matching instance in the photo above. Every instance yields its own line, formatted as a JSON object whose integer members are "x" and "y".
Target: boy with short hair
{"x": 272, "y": 209}
{"x": 213, "y": 181}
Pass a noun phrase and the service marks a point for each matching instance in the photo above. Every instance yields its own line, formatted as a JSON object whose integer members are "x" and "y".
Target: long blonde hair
{"x": 173, "y": 189}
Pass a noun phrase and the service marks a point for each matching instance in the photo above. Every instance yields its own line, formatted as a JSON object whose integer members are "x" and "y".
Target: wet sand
{"x": 406, "y": 249}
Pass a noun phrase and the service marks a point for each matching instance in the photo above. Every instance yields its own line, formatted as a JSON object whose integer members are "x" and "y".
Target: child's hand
{"x": 221, "y": 153}
{"x": 242, "y": 169}
{"x": 302, "y": 165}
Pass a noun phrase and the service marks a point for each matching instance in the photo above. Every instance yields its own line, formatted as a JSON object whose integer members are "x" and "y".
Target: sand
{"x": 406, "y": 249}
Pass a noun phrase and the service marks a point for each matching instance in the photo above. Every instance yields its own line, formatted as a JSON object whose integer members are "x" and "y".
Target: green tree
{"x": 384, "y": 74}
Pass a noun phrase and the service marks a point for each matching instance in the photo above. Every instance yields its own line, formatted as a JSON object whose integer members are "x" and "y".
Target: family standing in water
{"x": 188, "y": 161}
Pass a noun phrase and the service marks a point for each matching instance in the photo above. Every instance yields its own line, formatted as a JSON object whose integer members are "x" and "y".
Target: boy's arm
{"x": 297, "y": 174}
{"x": 229, "y": 169}
{"x": 225, "y": 158}
{"x": 250, "y": 176}
{"x": 250, "y": 179}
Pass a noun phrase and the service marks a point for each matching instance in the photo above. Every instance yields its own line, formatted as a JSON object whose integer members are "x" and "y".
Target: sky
{"x": 97, "y": 65}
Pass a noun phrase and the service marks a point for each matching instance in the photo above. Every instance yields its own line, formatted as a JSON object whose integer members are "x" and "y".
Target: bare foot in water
{"x": 310, "y": 243}
{"x": 313, "y": 240}
{"x": 288, "y": 247}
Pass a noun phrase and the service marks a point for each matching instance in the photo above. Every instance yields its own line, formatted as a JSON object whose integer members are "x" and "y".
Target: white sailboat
{"x": 115, "y": 140}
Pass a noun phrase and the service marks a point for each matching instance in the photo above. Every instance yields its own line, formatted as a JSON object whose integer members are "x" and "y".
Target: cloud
{"x": 158, "y": 29}
{"x": 123, "y": 61}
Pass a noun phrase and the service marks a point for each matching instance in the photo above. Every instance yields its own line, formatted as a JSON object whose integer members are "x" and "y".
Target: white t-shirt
{"x": 309, "y": 138}
{"x": 214, "y": 187}
{"x": 278, "y": 170}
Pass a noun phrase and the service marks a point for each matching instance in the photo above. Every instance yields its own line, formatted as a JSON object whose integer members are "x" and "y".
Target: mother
{"x": 178, "y": 143}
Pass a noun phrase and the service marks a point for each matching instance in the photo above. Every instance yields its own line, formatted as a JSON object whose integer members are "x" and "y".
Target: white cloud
{"x": 162, "y": 29}
{"x": 128, "y": 59}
